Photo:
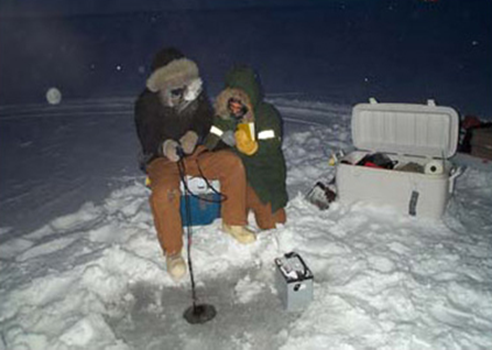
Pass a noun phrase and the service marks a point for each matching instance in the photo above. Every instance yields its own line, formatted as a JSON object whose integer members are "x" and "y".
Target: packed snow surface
{"x": 80, "y": 266}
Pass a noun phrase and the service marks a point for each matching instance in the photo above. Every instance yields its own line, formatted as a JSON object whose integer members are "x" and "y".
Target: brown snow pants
{"x": 264, "y": 217}
{"x": 223, "y": 165}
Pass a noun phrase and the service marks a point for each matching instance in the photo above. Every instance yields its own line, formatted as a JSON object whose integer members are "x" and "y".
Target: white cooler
{"x": 423, "y": 136}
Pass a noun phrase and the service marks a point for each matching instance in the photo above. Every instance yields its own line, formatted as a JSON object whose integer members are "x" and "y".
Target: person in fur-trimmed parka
{"x": 253, "y": 128}
{"x": 172, "y": 117}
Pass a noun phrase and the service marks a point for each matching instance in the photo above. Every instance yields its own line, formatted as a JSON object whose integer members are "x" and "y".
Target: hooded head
{"x": 174, "y": 78}
{"x": 241, "y": 84}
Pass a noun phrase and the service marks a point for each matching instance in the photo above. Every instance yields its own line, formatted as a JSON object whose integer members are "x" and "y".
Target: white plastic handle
{"x": 454, "y": 174}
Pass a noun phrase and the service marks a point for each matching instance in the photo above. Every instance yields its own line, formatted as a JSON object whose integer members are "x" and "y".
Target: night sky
{"x": 344, "y": 51}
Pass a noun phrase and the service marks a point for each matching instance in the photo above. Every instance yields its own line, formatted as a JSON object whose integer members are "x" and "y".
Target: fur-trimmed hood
{"x": 222, "y": 100}
{"x": 175, "y": 74}
{"x": 170, "y": 70}
{"x": 241, "y": 83}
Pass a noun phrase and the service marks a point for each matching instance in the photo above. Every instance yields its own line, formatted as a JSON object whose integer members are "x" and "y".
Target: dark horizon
{"x": 339, "y": 51}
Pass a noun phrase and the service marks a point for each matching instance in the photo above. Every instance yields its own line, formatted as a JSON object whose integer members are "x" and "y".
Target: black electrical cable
{"x": 182, "y": 172}
{"x": 203, "y": 312}
{"x": 222, "y": 197}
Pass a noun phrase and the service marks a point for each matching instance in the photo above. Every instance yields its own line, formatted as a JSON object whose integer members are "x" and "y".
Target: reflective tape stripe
{"x": 266, "y": 134}
{"x": 216, "y": 131}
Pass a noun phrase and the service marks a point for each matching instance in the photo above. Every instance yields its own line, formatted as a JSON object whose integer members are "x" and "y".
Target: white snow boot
{"x": 240, "y": 233}
{"x": 176, "y": 266}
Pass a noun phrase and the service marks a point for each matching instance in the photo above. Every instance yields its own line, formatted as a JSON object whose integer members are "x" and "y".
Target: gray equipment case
{"x": 294, "y": 281}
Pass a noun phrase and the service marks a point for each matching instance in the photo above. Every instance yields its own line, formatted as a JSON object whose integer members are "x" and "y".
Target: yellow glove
{"x": 245, "y": 144}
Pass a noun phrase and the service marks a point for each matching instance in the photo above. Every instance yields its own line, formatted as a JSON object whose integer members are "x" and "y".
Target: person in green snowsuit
{"x": 253, "y": 128}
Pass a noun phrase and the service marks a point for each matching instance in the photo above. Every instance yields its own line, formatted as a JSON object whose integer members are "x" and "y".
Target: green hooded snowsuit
{"x": 265, "y": 169}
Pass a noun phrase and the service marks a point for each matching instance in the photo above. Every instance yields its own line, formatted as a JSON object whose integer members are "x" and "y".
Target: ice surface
{"x": 89, "y": 273}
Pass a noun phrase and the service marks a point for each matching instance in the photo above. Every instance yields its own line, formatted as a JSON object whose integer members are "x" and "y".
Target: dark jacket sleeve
{"x": 213, "y": 141}
{"x": 271, "y": 121}
{"x": 147, "y": 131}
{"x": 203, "y": 118}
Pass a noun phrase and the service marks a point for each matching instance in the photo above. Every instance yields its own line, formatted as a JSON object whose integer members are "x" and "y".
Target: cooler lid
{"x": 411, "y": 129}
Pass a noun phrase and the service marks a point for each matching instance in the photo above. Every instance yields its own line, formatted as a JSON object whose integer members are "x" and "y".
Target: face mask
{"x": 193, "y": 90}
{"x": 181, "y": 97}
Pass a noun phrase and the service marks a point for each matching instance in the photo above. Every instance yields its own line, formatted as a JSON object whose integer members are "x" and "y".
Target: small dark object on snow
{"x": 321, "y": 196}
{"x": 197, "y": 314}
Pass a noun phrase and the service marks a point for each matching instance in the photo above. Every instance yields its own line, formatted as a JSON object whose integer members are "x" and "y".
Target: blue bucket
{"x": 202, "y": 212}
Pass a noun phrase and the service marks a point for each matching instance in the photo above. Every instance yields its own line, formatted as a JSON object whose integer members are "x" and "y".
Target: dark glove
{"x": 228, "y": 138}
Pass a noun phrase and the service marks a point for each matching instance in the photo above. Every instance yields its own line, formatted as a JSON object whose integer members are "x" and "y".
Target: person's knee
{"x": 267, "y": 220}
{"x": 265, "y": 223}
{"x": 232, "y": 162}
{"x": 164, "y": 192}
{"x": 280, "y": 216}
{"x": 264, "y": 218}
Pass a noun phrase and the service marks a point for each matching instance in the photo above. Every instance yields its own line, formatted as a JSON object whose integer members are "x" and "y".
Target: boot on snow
{"x": 176, "y": 266}
{"x": 240, "y": 233}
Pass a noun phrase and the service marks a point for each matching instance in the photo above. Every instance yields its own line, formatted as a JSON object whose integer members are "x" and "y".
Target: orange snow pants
{"x": 264, "y": 217}
{"x": 164, "y": 175}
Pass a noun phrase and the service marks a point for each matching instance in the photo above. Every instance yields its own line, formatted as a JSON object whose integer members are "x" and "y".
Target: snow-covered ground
{"x": 80, "y": 266}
